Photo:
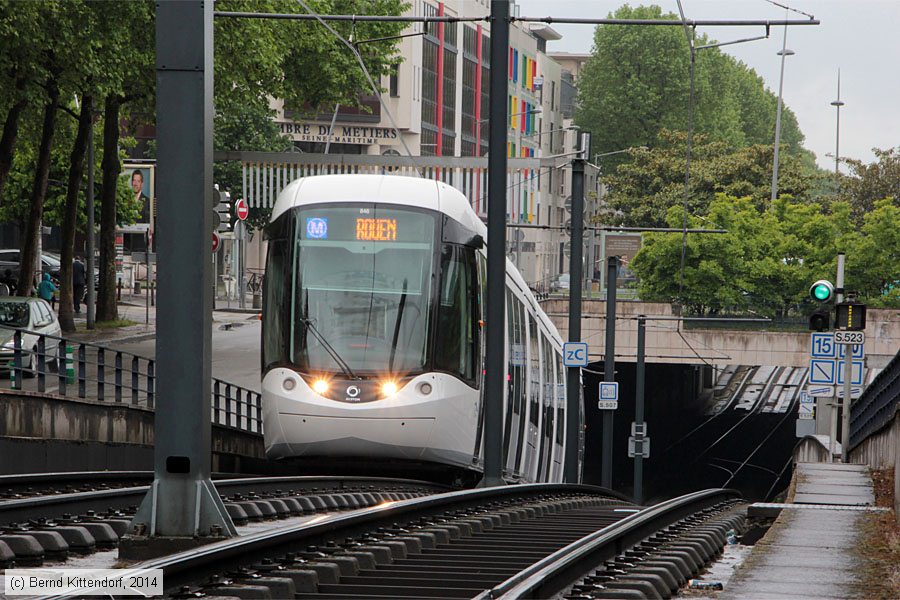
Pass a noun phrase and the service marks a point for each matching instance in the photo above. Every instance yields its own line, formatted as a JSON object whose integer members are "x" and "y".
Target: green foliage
{"x": 249, "y": 128}
{"x": 14, "y": 207}
{"x": 642, "y": 191}
{"x": 868, "y": 183}
{"x": 637, "y": 84}
{"x": 766, "y": 261}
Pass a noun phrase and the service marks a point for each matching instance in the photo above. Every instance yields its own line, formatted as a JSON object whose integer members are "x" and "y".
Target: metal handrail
{"x": 232, "y": 405}
{"x": 877, "y": 405}
{"x": 550, "y": 575}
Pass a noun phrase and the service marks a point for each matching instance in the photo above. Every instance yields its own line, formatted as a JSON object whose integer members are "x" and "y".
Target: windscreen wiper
{"x": 328, "y": 347}
{"x": 397, "y": 326}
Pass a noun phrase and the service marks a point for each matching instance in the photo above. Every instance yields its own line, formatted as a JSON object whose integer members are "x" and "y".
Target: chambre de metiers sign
{"x": 342, "y": 134}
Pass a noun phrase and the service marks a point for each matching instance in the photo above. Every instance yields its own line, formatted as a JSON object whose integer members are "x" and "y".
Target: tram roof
{"x": 387, "y": 189}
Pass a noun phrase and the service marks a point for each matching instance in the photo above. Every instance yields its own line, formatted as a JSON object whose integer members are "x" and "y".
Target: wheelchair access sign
{"x": 575, "y": 354}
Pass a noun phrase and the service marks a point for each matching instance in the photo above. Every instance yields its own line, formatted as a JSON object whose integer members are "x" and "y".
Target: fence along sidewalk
{"x": 84, "y": 370}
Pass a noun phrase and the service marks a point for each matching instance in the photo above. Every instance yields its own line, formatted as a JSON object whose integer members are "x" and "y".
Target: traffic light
{"x": 820, "y": 321}
{"x": 822, "y": 291}
{"x": 222, "y": 207}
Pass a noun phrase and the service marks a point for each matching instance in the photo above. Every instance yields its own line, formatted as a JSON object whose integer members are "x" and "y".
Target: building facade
{"x": 436, "y": 104}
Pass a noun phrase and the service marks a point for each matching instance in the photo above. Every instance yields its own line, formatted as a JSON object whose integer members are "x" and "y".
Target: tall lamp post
{"x": 837, "y": 131}
{"x": 783, "y": 53}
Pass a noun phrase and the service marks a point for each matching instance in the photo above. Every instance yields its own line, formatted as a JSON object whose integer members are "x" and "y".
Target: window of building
{"x": 394, "y": 80}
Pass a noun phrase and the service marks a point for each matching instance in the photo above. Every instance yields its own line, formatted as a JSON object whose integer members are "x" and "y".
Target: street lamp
{"x": 783, "y": 53}
{"x": 837, "y": 132}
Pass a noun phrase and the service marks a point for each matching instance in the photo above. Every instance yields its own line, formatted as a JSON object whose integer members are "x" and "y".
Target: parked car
{"x": 35, "y": 316}
{"x": 50, "y": 263}
{"x": 9, "y": 259}
{"x": 560, "y": 283}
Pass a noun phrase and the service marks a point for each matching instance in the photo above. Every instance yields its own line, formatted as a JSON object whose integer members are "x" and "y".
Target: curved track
{"x": 475, "y": 543}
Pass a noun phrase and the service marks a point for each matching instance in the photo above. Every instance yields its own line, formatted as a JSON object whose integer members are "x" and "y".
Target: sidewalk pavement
{"x": 133, "y": 308}
{"x": 811, "y": 549}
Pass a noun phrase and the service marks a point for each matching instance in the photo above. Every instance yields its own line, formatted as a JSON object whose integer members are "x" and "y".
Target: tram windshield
{"x": 361, "y": 289}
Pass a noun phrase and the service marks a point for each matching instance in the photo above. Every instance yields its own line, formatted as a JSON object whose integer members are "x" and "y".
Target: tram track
{"x": 476, "y": 543}
{"x": 53, "y": 527}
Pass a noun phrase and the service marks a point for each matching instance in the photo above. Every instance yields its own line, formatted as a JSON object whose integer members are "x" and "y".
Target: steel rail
{"x": 549, "y": 576}
{"x": 53, "y": 506}
{"x": 196, "y": 565}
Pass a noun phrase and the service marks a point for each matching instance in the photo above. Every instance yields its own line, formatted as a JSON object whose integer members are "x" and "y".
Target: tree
{"x": 873, "y": 263}
{"x": 21, "y": 70}
{"x": 868, "y": 183}
{"x": 641, "y": 191}
{"x": 637, "y": 84}
{"x": 764, "y": 263}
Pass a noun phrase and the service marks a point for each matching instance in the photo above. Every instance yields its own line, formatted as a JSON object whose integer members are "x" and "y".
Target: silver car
{"x": 35, "y": 316}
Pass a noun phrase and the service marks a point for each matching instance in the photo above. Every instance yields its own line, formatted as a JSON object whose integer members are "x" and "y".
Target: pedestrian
{"x": 9, "y": 281}
{"x": 78, "y": 282}
{"x": 46, "y": 290}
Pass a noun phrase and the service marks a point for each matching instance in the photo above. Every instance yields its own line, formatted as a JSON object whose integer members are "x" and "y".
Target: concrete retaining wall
{"x": 40, "y": 432}
{"x": 810, "y": 450}
{"x": 882, "y": 451}
{"x": 715, "y": 346}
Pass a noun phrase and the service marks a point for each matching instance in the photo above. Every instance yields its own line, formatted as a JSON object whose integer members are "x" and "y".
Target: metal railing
{"x": 877, "y": 405}
{"x": 98, "y": 373}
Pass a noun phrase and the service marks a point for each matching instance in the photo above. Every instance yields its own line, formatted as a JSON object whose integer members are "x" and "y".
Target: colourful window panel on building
{"x": 511, "y": 64}
{"x": 524, "y": 114}
{"x": 533, "y": 73}
{"x": 515, "y": 65}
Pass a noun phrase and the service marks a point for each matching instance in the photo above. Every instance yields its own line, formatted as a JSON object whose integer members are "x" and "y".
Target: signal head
{"x": 822, "y": 291}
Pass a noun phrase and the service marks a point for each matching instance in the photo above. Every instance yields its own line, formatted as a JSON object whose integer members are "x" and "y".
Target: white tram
{"x": 373, "y": 340}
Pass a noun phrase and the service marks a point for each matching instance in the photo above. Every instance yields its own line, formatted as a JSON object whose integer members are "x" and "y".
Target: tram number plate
{"x": 849, "y": 337}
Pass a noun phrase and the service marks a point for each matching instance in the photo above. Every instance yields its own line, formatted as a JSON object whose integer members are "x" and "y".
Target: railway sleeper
{"x": 53, "y": 544}
{"x": 665, "y": 560}
{"x": 27, "y": 550}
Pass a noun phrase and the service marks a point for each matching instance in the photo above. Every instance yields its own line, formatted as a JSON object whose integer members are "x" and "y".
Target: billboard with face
{"x": 141, "y": 181}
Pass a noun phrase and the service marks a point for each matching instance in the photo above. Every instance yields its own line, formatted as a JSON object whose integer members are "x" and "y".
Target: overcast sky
{"x": 858, "y": 36}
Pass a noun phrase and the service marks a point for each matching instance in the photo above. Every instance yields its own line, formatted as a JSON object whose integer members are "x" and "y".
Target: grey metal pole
{"x": 182, "y": 502}
{"x": 609, "y": 370}
{"x": 573, "y": 376}
{"x": 639, "y": 409}
{"x": 837, "y": 133}
{"x": 838, "y": 297}
{"x": 845, "y": 416}
{"x": 89, "y": 208}
{"x": 783, "y": 53}
{"x": 496, "y": 247}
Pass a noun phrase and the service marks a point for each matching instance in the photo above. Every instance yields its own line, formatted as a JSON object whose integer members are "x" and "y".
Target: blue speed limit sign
{"x": 575, "y": 354}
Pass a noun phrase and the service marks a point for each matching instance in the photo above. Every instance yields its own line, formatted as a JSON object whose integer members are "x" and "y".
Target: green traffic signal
{"x": 822, "y": 291}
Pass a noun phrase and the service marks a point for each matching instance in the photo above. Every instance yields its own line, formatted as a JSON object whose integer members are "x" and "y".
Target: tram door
{"x": 515, "y": 416}
{"x": 560, "y": 408}
{"x": 534, "y": 401}
{"x": 548, "y": 384}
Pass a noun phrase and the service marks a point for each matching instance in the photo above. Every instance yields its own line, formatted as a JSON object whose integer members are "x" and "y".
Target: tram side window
{"x": 534, "y": 369}
{"x": 560, "y": 397}
{"x": 518, "y": 326}
{"x": 456, "y": 345}
{"x": 277, "y": 268}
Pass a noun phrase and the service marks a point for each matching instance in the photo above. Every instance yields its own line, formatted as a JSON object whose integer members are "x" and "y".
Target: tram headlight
{"x": 320, "y": 386}
{"x": 388, "y": 388}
